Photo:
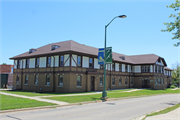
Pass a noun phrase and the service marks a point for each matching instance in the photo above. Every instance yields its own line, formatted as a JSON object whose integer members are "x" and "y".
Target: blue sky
{"x": 32, "y": 24}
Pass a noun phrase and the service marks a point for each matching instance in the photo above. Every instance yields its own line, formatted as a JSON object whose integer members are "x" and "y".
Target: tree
{"x": 4, "y": 64}
{"x": 176, "y": 75}
{"x": 174, "y": 26}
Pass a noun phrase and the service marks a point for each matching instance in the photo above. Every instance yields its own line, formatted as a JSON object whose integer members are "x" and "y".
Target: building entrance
{"x": 92, "y": 83}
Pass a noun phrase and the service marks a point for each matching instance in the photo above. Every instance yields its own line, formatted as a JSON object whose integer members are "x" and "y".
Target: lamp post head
{"x": 122, "y": 16}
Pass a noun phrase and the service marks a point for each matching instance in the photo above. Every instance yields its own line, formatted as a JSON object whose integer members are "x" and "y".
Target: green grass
{"x": 164, "y": 111}
{"x": 31, "y": 94}
{"x": 84, "y": 98}
{"x": 9, "y": 102}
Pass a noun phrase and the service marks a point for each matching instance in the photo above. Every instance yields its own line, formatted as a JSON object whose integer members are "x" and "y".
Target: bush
{"x": 172, "y": 86}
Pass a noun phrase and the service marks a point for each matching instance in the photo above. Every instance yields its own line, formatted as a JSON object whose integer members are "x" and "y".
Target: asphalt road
{"x": 126, "y": 109}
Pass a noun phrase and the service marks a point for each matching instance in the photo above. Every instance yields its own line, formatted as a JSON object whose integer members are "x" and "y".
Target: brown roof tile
{"x": 71, "y": 45}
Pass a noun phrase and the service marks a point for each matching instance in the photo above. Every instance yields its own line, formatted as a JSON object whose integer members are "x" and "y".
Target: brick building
{"x": 72, "y": 67}
{"x": 6, "y": 72}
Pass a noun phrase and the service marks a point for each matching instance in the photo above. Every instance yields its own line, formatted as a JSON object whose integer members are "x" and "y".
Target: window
{"x": 32, "y": 50}
{"x": 61, "y": 80}
{"x": 125, "y": 81}
{"x": 113, "y": 67}
{"x": 37, "y": 62}
{"x": 78, "y": 81}
{"x": 145, "y": 68}
{"x": 90, "y": 63}
{"x": 159, "y": 81}
{"x": 162, "y": 69}
{"x": 48, "y": 80}
{"x": 61, "y": 60}
{"x": 156, "y": 67}
{"x": 36, "y": 80}
{"x": 159, "y": 69}
{"x": 26, "y": 79}
{"x": 162, "y": 81}
{"x": 131, "y": 68}
{"x": 113, "y": 81}
{"x": 101, "y": 66}
{"x": 49, "y": 62}
{"x": 156, "y": 81}
{"x": 126, "y": 68}
{"x": 120, "y": 83}
{"x": 55, "y": 47}
{"x": 101, "y": 81}
{"x": 19, "y": 63}
{"x": 79, "y": 61}
{"x": 27, "y": 63}
{"x": 17, "y": 79}
{"x": 142, "y": 81}
{"x": 131, "y": 81}
{"x": 120, "y": 67}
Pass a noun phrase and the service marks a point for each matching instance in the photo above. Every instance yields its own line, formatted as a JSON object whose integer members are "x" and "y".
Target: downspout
{"x": 22, "y": 75}
{"x": 54, "y": 74}
{"x": 129, "y": 78}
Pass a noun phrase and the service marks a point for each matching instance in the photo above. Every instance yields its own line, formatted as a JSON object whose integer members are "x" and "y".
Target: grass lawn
{"x": 9, "y": 102}
{"x": 164, "y": 111}
{"x": 84, "y": 98}
{"x": 31, "y": 94}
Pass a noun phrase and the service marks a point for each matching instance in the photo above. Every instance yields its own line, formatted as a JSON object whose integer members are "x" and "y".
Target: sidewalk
{"x": 173, "y": 115}
{"x": 36, "y": 98}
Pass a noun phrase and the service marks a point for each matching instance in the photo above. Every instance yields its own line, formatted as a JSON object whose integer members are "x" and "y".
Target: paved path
{"x": 126, "y": 109}
{"x": 173, "y": 115}
{"x": 35, "y": 98}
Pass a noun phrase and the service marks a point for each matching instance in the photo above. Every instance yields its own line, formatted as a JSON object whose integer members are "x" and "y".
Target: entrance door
{"x": 146, "y": 83}
{"x": 92, "y": 83}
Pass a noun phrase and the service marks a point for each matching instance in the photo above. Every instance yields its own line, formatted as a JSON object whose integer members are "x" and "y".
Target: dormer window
{"x": 122, "y": 57}
{"x": 32, "y": 50}
{"x": 55, "y": 47}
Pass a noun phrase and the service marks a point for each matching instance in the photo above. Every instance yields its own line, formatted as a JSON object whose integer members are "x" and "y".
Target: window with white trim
{"x": 48, "y": 80}
{"x": 131, "y": 81}
{"x": 156, "y": 81}
{"x": 159, "y": 81}
{"x": 36, "y": 80}
{"x": 17, "y": 79}
{"x": 26, "y": 80}
{"x": 120, "y": 82}
{"x": 61, "y": 80}
{"x": 113, "y": 81}
{"x": 101, "y": 81}
{"x": 125, "y": 81}
{"x": 78, "y": 81}
{"x": 79, "y": 61}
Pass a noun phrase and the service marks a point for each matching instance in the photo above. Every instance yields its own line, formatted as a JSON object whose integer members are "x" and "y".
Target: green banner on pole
{"x": 109, "y": 55}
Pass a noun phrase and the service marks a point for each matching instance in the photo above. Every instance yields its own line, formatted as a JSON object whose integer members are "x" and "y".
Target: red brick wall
{"x": 6, "y": 68}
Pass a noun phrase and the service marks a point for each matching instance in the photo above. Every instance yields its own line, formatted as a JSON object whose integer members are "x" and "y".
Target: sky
{"x": 31, "y": 24}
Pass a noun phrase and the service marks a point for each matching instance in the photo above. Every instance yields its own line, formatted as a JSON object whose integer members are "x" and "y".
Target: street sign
{"x": 101, "y": 56}
{"x": 109, "y": 55}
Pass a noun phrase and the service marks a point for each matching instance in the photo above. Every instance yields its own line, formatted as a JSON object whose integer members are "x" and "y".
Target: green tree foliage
{"x": 174, "y": 26}
{"x": 4, "y": 64}
{"x": 176, "y": 75}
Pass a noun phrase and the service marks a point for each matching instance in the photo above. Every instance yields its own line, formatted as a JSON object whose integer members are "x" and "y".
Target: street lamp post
{"x": 104, "y": 94}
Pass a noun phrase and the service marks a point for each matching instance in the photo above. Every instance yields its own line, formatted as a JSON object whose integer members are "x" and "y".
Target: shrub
{"x": 172, "y": 86}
